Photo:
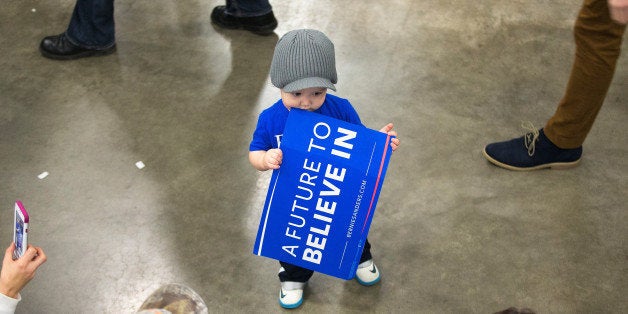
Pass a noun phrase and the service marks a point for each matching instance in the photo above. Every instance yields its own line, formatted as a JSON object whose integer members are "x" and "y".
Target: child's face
{"x": 308, "y": 99}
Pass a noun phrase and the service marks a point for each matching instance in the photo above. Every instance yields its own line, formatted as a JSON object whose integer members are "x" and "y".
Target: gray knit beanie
{"x": 303, "y": 58}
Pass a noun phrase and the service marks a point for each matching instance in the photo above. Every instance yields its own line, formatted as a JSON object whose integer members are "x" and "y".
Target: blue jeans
{"x": 248, "y": 8}
{"x": 92, "y": 25}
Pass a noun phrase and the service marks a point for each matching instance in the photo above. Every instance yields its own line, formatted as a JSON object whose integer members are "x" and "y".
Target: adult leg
{"x": 248, "y": 8}
{"x": 598, "y": 43}
{"x": 91, "y": 32}
{"x": 559, "y": 144}
{"x": 92, "y": 25}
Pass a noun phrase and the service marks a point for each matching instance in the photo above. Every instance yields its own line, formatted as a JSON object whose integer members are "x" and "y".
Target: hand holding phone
{"x": 16, "y": 274}
{"x": 20, "y": 230}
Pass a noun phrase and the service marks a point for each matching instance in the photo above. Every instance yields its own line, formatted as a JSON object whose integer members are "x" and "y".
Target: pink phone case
{"x": 20, "y": 230}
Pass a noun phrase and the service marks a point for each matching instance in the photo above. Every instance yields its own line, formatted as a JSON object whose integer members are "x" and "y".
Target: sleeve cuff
{"x": 7, "y": 304}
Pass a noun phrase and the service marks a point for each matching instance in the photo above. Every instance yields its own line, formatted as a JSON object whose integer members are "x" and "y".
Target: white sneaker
{"x": 291, "y": 294}
{"x": 367, "y": 273}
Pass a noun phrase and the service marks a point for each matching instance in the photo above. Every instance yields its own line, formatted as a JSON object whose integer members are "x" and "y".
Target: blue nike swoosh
{"x": 373, "y": 270}
{"x": 282, "y": 294}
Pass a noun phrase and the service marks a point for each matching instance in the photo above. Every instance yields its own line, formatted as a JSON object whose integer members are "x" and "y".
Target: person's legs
{"x": 91, "y": 32}
{"x": 559, "y": 145}
{"x": 92, "y": 25}
{"x": 598, "y": 42}
{"x": 299, "y": 274}
{"x": 293, "y": 280}
{"x": 255, "y": 16}
{"x": 294, "y": 273}
{"x": 248, "y": 8}
{"x": 367, "y": 273}
{"x": 366, "y": 252}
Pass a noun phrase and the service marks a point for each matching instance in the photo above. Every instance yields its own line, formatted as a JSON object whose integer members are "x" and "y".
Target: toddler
{"x": 303, "y": 68}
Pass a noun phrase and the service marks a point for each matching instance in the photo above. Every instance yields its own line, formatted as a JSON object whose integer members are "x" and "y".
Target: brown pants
{"x": 598, "y": 44}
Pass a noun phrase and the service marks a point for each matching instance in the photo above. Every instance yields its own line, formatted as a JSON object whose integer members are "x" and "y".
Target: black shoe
{"x": 260, "y": 25}
{"x": 60, "y": 48}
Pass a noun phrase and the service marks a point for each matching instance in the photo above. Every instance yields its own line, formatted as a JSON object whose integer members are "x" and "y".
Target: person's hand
{"x": 16, "y": 274}
{"x": 388, "y": 129}
{"x": 273, "y": 158}
{"x": 619, "y": 10}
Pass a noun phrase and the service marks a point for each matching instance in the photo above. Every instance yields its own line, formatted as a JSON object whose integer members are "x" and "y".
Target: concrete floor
{"x": 452, "y": 233}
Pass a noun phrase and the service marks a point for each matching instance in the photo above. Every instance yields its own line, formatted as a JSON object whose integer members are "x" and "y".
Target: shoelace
{"x": 531, "y": 137}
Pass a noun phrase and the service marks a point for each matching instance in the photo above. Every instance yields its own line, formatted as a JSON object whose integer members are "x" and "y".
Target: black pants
{"x": 300, "y": 274}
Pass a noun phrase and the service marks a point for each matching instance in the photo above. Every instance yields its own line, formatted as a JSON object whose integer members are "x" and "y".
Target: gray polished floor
{"x": 452, "y": 233}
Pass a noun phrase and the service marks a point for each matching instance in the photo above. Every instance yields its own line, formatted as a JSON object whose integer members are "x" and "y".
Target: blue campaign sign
{"x": 321, "y": 202}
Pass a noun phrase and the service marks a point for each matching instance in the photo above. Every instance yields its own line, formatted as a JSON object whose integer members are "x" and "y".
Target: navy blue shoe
{"x": 531, "y": 152}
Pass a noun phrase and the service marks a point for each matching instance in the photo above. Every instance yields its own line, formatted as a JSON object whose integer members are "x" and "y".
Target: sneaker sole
{"x": 552, "y": 165}
{"x": 368, "y": 284}
{"x": 291, "y": 306}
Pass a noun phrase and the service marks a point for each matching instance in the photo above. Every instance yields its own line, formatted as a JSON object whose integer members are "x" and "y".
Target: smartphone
{"x": 20, "y": 230}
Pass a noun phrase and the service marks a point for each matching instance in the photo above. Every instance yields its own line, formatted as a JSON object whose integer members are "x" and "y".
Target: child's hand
{"x": 263, "y": 160}
{"x": 388, "y": 129}
{"x": 273, "y": 158}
